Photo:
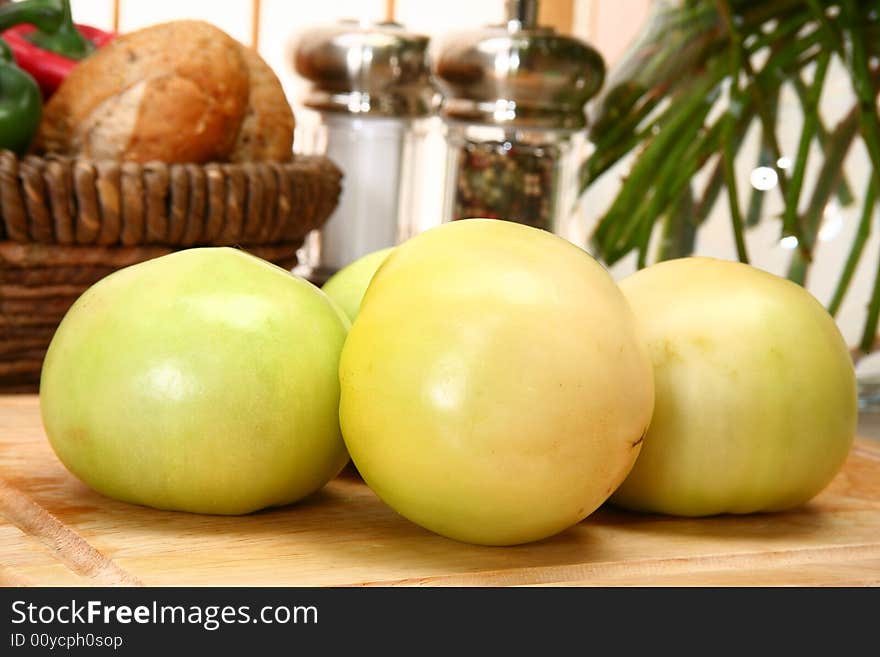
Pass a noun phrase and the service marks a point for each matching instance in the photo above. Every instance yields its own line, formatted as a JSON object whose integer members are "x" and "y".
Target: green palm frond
{"x": 682, "y": 101}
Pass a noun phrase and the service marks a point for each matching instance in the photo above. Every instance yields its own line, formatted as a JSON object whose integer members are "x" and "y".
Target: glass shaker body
{"x": 526, "y": 175}
{"x": 367, "y": 107}
{"x": 370, "y": 152}
{"x": 422, "y": 174}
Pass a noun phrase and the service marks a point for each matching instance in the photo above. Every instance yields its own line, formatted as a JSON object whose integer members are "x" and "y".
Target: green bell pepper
{"x": 21, "y": 104}
{"x": 54, "y": 22}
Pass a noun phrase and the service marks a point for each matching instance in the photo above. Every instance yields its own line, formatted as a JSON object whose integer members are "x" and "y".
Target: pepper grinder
{"x": 513, "y": 101}
{"x": 370, "y": 98}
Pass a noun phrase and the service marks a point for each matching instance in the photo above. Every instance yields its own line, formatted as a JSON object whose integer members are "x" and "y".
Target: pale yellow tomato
{"x": 756, "y": 402}
{"x": 494, "y": 387}
{"x": 205, "y": 380}
{"x": 347, "y": 286}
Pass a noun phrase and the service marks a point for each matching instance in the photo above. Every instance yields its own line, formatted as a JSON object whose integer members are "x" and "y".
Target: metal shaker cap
{"x": 377, "y": 69}
{"x": 517, "y": 74}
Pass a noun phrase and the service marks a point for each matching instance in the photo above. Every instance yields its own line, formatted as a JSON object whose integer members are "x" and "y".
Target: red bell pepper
{"x": 48, "y": 68}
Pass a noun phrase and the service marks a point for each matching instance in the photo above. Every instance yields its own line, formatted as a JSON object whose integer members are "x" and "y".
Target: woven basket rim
{"x": 57, "y": 199}
{"x": 296, "y": 160}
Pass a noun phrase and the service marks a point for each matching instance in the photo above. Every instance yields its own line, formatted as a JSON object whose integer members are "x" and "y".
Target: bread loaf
{"x": 266, "y": 132}
{"x": 182, "y": 91}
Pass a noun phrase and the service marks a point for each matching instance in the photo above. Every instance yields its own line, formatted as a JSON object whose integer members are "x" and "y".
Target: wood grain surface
{"x": 55, "y": 531}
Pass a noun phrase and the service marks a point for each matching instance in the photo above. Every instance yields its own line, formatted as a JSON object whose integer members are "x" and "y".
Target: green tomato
{"x": 204, "y": 381}
{"x": 756, "y": 403}
{"x": 494, "y": 387}
{"x": 347, "y": 286}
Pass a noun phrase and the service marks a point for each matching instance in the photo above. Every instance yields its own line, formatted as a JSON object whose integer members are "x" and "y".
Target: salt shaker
{"x": 368, "y": 106}
{"x": 513, "y": 99}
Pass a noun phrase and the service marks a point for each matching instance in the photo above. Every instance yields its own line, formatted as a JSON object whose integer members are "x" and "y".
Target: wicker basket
{"x": 66, "y": 223}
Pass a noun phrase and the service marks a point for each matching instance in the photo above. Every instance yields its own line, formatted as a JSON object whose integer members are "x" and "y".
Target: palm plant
{"x": 681, "y": 103}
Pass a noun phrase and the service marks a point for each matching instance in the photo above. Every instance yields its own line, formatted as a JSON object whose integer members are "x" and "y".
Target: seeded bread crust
{"x": 173, "y": 92}
{"x": 266, "y": 132}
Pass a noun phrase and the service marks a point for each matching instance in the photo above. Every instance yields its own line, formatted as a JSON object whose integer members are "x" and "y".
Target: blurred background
{"x": 609, "y": 25}
{"x": 626, "y": 33}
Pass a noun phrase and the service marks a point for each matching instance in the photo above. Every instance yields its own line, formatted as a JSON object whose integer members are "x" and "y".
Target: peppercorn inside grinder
{"x": 369, "y": 107}
{"x": 513, "y": 104}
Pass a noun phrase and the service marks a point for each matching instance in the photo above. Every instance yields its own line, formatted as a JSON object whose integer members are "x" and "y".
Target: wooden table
{"x": 55, "y": 531}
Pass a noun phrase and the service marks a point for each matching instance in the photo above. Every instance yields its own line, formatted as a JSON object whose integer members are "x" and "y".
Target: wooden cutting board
{"x": 55, "y": 531}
